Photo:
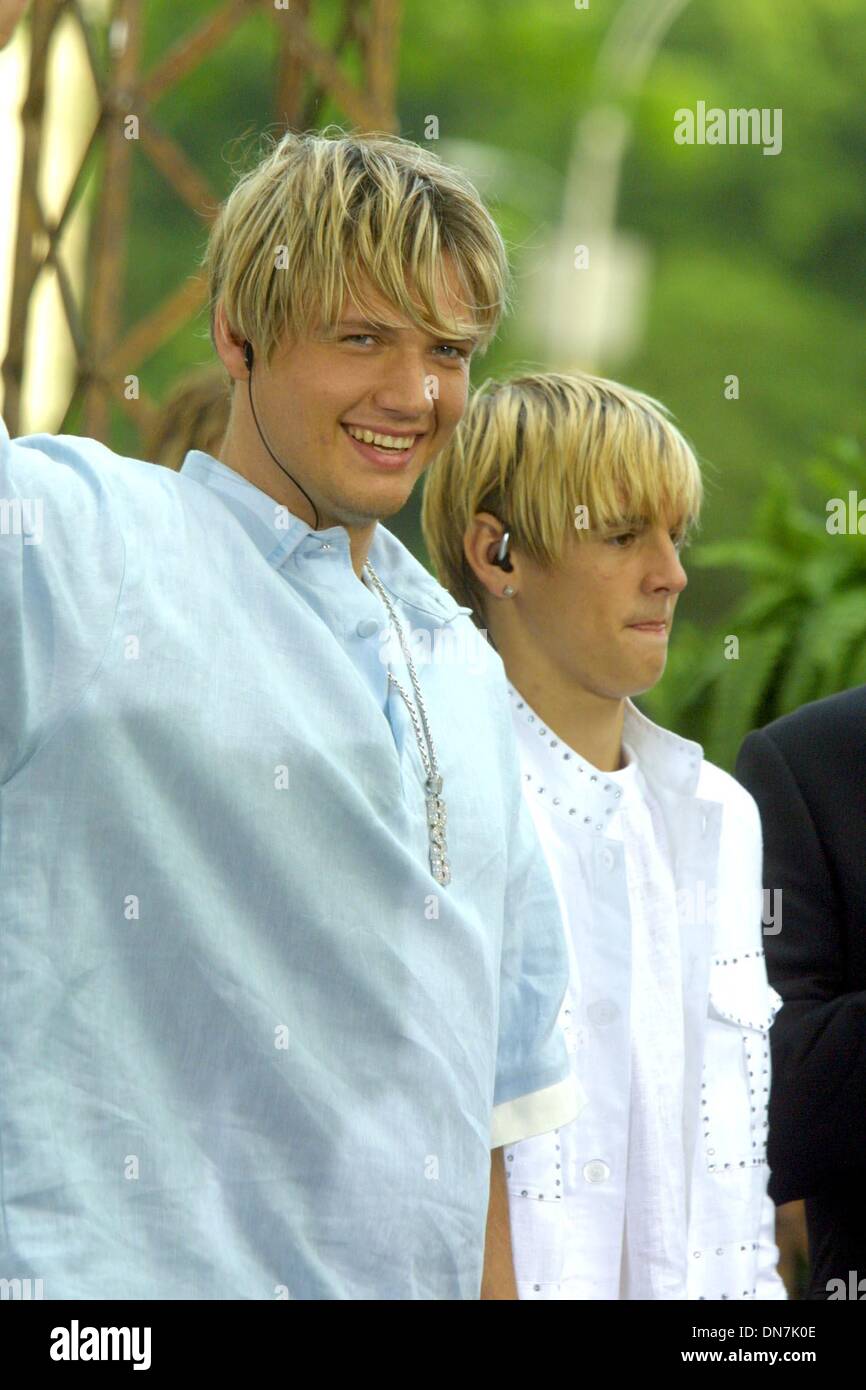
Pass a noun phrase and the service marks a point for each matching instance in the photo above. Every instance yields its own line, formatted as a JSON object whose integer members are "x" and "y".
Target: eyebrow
{"x": 374, "y": 326}
{"x": 640, "y": 523}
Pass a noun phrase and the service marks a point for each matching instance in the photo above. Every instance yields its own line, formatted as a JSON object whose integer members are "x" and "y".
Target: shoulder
{"x": 69, "y": 459}
{"x": 718, "y": 785}
{"x": 418, "y": 590}
{"x": 836, "y": 719}
{"x": 411, "y": 581}
{"x": 462, "y": 644}
{"x": 670, "y": 759}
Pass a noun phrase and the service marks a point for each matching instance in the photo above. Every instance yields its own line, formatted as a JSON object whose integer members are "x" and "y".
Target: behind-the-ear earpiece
{"x": 248, "y": 355}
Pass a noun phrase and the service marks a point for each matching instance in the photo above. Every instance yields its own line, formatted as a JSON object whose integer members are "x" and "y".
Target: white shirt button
{"x": 596, "y": 1171}
{"x": 367, "y": 627}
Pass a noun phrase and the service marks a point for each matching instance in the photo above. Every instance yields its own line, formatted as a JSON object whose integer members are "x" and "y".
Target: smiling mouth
{"x": 383, "y": 450}
{"x": 396, "y": 443}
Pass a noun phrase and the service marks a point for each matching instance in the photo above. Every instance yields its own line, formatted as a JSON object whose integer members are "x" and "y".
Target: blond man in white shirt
{"x": 559, "y": 513}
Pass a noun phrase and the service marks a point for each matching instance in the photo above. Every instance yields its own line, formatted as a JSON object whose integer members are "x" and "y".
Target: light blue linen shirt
{"x": 249, "y": 1048}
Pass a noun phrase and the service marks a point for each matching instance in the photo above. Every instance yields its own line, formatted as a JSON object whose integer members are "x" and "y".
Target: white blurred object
{"x": 583, "y": 318}
{"x": 70, "y": 113}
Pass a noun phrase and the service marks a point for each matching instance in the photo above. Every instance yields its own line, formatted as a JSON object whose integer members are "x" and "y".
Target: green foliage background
{"x": 757, "y": 269}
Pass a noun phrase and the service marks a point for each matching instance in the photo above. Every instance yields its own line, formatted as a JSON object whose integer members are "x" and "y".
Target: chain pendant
{"x": 436, "y": 814}
{"x": 436, "y": 819}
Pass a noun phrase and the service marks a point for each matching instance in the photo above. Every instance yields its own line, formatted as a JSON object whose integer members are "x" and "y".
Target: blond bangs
{"x": 639, "y": 467}
{"x": 535, "y": 449}
{"x": 323, "y": 211}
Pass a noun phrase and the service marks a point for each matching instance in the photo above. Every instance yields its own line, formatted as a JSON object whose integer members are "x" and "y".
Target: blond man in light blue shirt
{"x": 281, "y": 957}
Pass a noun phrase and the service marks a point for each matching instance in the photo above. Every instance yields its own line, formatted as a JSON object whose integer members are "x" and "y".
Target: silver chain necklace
{"x": 436, "y": 813}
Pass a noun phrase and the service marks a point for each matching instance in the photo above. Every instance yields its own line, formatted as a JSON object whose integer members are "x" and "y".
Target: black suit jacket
{"x": 807, "y": 772}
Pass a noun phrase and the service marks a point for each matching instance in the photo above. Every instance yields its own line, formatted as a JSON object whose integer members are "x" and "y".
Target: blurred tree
{"x": 800, "y": 630}
{"x": 755, "y": 263}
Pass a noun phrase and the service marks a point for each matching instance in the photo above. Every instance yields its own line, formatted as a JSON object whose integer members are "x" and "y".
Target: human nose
{"x": 405, "y": 388}
{"x": 666, "y": 570}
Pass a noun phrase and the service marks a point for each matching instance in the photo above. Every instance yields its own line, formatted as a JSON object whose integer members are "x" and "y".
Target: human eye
{"x": 460, "y": 354}
{"x": 354, "y": 337}
{"x": 680, "y": 539}
{"x": 621, "y": 539}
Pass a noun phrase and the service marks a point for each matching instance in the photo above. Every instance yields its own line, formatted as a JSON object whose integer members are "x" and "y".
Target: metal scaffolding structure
{"x": 106, "y": 351}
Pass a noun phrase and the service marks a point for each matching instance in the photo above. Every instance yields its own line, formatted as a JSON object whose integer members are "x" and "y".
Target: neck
{"x": 254, "y": 463}
{"x": 589, "y": 723}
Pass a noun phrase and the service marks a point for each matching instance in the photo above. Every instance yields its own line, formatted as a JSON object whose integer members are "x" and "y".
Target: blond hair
{"x": 323, "y": 208}
{"x": 533, "y": 450}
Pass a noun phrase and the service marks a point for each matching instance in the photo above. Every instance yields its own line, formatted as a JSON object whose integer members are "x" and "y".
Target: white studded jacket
{"x": 567, "y": 1188}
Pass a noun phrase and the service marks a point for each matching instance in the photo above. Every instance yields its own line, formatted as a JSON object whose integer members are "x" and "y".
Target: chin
{"x": 387, "y": 501}
{"x": 365, "y": 511}
{"x": 389, "y": 507}
{"x": 648, "y": 680}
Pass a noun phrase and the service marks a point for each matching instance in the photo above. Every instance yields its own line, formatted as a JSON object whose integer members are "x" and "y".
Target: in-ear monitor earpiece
{"x": 501, "y": 558}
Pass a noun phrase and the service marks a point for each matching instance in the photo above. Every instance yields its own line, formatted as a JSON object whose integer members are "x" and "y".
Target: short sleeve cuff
{"x": 537, "y": 1113}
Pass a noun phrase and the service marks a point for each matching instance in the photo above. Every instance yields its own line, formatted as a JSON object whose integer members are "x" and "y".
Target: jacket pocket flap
{"x": 740, "y": 992}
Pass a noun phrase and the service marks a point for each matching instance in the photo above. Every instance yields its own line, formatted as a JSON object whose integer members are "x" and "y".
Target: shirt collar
{"x": 555, "y": 772}
{"x": 665, "y": 758}
{"x": 278, "y": 533}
